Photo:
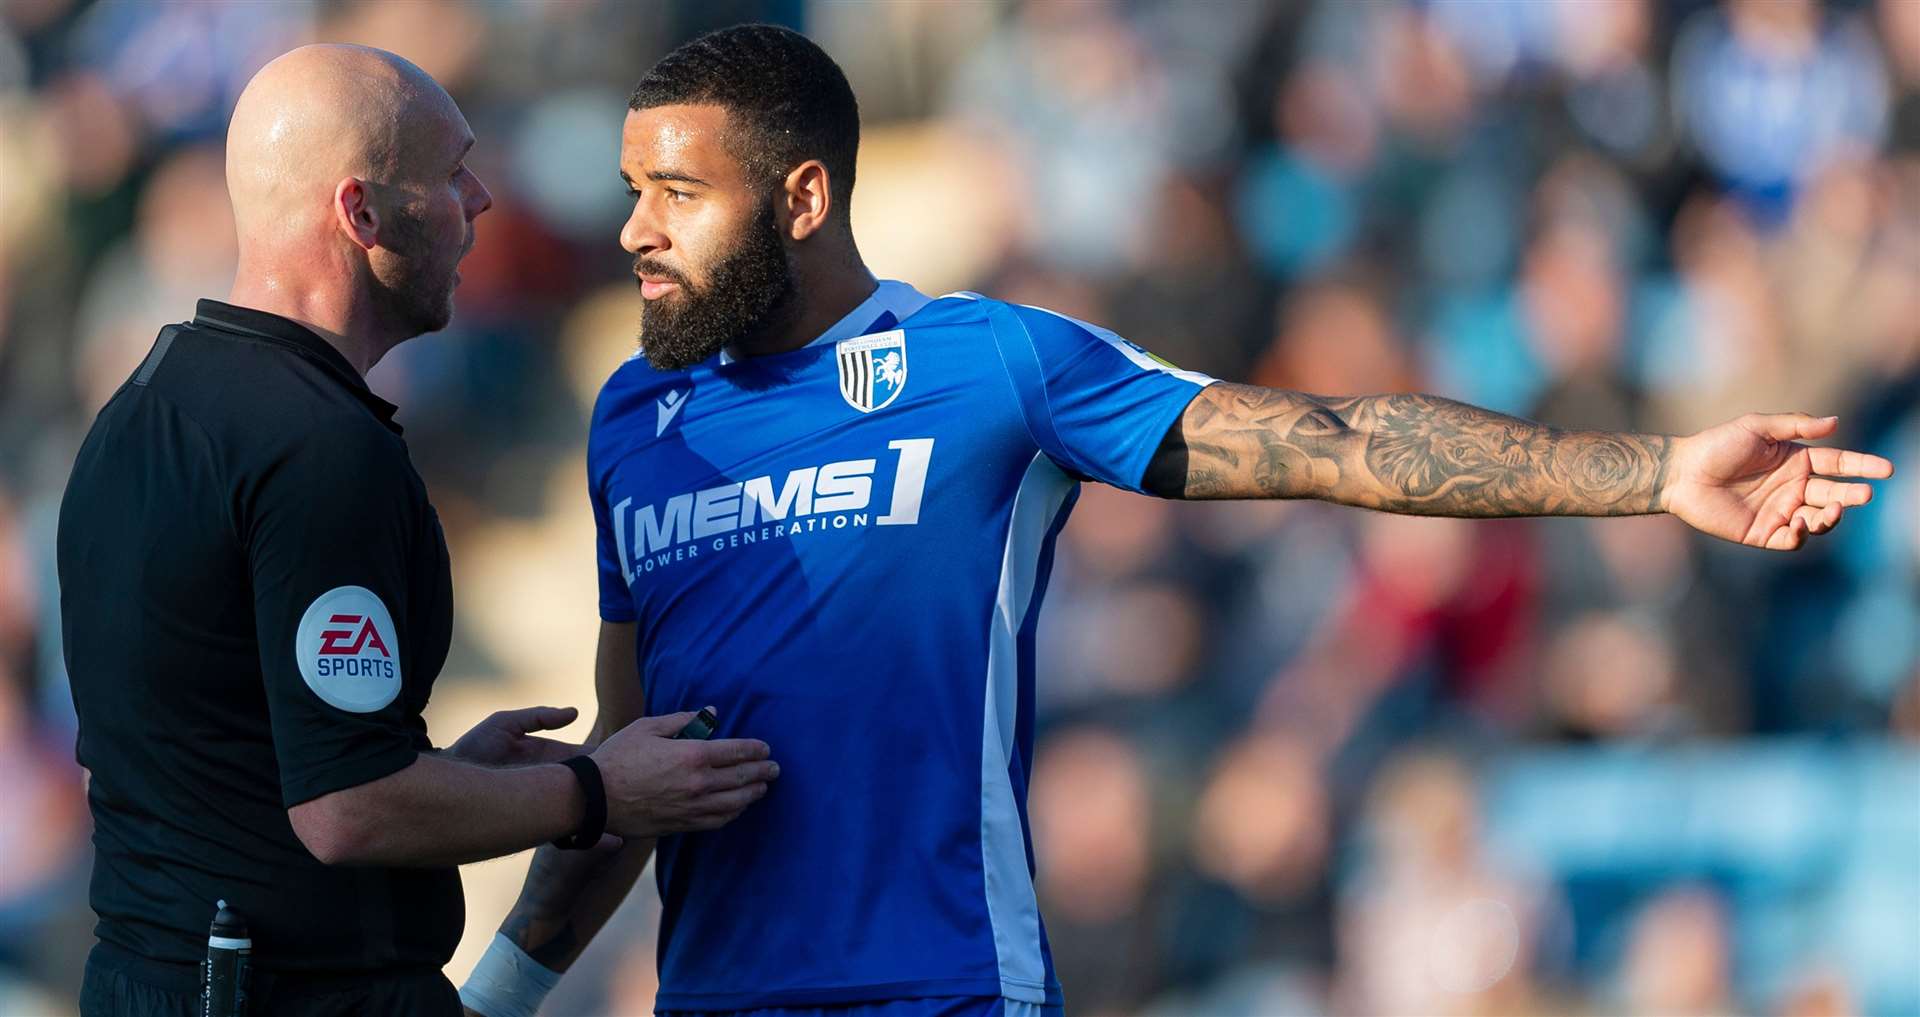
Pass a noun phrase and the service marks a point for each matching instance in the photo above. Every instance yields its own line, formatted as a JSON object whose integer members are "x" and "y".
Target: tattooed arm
{"x": 1415, "y": 454}
{"x": 1747, "y": 481}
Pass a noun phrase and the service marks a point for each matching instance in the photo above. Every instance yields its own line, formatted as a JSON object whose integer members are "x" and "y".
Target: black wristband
{"x": 587, "y": 772}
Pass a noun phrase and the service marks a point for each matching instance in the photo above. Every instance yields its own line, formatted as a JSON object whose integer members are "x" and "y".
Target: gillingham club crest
{"x": 873, "y": 369}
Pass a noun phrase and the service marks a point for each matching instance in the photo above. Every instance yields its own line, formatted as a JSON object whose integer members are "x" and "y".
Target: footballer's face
{"x": 708, "y": 254}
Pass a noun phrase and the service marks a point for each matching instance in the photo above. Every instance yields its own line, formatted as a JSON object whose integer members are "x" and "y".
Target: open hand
{"x": 506, "y": 738}
{"x": 1750, "y": 481}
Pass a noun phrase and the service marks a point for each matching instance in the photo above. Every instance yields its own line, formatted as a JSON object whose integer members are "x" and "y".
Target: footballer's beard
{"x": 749, "y": 290}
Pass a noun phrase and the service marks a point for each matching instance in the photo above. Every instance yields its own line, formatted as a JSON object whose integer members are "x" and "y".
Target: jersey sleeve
{"x": 329, "y": 529}
{"x": 616, "y": 597}
{"x": 1095, "y": 403}
{"x": 616, "y": 600}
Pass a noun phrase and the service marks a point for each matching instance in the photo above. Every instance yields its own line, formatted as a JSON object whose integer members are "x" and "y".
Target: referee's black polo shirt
{"x": 256, "y": 602}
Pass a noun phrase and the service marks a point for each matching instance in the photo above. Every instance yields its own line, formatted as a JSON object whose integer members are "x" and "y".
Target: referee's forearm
{"x": 439, "y": 812}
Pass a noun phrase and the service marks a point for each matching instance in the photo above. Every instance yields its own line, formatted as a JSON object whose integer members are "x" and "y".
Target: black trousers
{"x": 118, "y": 984}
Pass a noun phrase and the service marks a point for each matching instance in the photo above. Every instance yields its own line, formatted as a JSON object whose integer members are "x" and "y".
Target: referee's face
{"x": 708, "y": 254}
{"x": 429, "y": 227}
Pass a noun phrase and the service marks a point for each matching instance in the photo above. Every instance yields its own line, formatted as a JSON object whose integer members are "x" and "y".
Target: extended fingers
{"x": 733, "y": 751}
{"x": 718, "y": 809}
{"x": 731, "y": 777}
{"x": 1791, "y": 426}
{"x": 1822, "y": 492}
{"x": 1839, "y": 462}
{"x": 537, "y": 718}
{"x": 664, "y": 725}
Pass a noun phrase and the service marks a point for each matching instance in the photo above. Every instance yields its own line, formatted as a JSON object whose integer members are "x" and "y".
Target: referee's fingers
{"x": 724, "y": 805}
{"x": 733, "y": 751}
{"x": 665, "y": 725}
{"x": 761, "y": 772}
{"x": 538, "y": 718}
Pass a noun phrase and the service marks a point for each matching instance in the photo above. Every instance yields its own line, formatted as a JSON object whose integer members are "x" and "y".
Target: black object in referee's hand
{"x": 702, "y": 726}
{"x": 223, "y": 976}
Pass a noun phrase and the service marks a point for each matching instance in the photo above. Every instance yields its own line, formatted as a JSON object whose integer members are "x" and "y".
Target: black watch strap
{"x": 587, "y": 772}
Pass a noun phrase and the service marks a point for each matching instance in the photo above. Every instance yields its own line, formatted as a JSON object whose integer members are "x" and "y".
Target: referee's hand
{"x": 506, "y": 738}
{"x": 658, "y": 785}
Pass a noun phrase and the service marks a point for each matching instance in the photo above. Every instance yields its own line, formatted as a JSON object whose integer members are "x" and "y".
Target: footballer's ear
{"x": 807, "y": 199}
{"x": 354, "y": 213}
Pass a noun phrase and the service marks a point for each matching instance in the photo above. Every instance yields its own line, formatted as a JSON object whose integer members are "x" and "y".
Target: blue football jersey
{"x": 844, "y": 548}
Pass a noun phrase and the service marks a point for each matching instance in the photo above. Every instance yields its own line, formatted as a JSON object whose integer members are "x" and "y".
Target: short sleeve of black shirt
{"x": 256, "y": 601}
{"x": 330, "y": 532}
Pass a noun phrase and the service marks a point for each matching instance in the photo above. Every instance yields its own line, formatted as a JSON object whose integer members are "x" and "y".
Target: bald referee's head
{"x": 346, "y": 166}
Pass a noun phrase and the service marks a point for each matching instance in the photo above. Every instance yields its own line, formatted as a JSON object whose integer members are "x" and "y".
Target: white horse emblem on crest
{"x": 891, "y": 369}
{"x": 873, "y": 369}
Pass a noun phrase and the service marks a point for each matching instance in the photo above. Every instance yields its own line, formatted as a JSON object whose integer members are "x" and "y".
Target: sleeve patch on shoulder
{"x": 348, "y": 651}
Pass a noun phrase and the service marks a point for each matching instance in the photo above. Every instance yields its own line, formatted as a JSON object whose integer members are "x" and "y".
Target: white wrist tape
{"x": 507, "y": 982}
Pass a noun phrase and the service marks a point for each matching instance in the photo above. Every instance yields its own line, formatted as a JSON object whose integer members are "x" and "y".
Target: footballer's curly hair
{"x": 786, "y": 99}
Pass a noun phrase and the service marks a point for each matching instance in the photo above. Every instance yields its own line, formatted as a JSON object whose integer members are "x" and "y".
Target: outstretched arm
{"x": 1414, "y": 454}
{"x": 1746, "y": 481}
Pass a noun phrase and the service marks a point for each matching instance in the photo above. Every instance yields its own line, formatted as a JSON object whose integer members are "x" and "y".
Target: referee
{"x": 257, "y": 598}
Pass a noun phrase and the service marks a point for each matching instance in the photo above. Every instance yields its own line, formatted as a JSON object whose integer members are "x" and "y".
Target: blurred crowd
{"x": 1292, "y": 759}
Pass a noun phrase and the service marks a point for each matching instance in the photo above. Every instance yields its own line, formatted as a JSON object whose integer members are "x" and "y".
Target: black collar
{"x": 301, "y": 340}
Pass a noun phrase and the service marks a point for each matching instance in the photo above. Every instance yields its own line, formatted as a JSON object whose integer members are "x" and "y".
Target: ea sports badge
{"x": 348, "y": 651}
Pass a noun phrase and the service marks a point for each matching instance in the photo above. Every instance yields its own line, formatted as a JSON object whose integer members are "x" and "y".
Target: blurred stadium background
{"x": 1292, "y": 759}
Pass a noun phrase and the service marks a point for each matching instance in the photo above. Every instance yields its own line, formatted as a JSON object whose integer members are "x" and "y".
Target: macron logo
{"x": 669, "y": 407}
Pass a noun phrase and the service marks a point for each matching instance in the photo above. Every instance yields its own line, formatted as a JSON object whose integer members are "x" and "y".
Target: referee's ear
{"x": 808, "y": 199}
{"x": 353, "y": 212}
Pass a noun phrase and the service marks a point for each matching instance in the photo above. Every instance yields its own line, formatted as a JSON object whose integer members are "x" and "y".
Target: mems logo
{"x": 809, "y": 500}
{"x": 347, "y": 650}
